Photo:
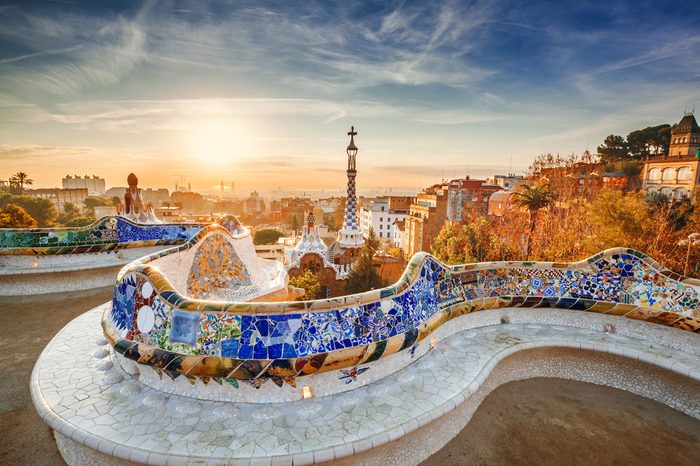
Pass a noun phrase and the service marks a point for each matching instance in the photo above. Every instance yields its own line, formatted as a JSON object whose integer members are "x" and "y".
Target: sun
{"x": 218, "y": 143}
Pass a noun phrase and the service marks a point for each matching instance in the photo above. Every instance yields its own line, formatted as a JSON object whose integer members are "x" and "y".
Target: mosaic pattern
{"x": 106, "y": 234}
{"x": 216, "y": 265}
{"x": 281, "y": 341}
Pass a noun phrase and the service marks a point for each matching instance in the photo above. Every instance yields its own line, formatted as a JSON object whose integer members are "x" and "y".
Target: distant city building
{"x": 381, "y": 213}
{"x": 105, "y": 211}
{"x": 677, "y": 174}
{"x": 293, "y": 210}
{"x": 457, "y": 200}
{"x": 254, "y": 204}
{"x": 592, "y": 182}
{"x": 156, "y": 197}
{"x": 508, "y": 182}
{"x": 60, "y": 197}
{"x": 501, "y": 202}
{"x": 190, "y": 203}
{"x": 398, "y": 234}
{"x": 168, "y": 213}
{"x": 94, "y": 184}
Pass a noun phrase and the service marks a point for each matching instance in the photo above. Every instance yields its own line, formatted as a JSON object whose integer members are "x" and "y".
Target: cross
{"x": 352, "y": 131}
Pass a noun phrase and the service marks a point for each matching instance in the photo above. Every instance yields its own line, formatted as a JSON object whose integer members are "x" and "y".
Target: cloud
{"x": 10, "y": 152}
{"x": 98, "y": 52}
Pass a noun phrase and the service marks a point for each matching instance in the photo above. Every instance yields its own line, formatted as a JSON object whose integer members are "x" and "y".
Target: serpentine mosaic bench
{"x": 47, "y": 260}
{"x": 105, "y": 234}
{"x": 229, "y": 343}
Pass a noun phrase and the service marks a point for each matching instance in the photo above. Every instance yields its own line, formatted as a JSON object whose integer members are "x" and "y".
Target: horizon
{"x": 264, "y": 96}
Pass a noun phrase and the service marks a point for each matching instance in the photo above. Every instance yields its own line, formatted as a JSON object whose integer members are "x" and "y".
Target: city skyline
{"x": 263, "y": 96}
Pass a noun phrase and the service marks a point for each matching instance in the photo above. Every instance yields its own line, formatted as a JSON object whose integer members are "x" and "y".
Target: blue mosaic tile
{"x": 184, "y": 327}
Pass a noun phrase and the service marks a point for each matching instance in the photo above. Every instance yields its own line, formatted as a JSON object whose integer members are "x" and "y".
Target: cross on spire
{"x": 352, "y": 132}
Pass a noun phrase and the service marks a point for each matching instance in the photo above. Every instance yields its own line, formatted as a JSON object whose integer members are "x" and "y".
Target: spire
{"x": 350, "y": 235}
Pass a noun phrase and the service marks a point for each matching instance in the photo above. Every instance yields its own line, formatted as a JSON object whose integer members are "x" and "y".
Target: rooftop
{"x": 686, "y": 125}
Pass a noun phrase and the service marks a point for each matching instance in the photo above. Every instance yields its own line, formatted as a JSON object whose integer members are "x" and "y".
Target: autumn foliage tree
{"x": 310, "y": 284}
{"x": 533, "y": 199}
{"x": 14, "y": 216}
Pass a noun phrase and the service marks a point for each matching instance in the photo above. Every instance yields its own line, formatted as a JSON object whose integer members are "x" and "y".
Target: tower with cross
{"x": 350, "y": 236}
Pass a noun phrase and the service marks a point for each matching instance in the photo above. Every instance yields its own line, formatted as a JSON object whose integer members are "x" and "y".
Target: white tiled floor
{"x": 75, "y": 397}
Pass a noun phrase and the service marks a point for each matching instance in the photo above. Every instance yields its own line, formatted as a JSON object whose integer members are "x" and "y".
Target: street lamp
{"x": 693, "y": 239}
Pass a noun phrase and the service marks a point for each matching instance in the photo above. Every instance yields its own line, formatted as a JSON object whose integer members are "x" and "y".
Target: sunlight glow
{"x": 218, "y": 144}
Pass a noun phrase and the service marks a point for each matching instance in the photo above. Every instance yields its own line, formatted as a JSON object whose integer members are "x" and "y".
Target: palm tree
{"x": 533, "y": 198}
{"x": 20, "y": 179}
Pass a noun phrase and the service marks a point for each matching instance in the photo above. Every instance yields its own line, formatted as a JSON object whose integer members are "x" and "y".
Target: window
{"x": 666, "y": 191}
{"x": 685, "y": 139}
{"x": 681, "y": 193}
{"x": 684, "y": 173}
{"x": 668, "y": 174}
{"x": 654, "y": 174}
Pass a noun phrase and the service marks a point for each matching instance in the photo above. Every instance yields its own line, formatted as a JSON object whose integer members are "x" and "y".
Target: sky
{"x": 262, "y": 94}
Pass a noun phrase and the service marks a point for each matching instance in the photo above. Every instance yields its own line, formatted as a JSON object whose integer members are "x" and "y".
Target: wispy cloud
{"x": 451, "y": 78}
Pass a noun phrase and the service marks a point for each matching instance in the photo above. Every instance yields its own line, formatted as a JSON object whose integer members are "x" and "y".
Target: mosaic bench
{"x": 105, "y": 234}
{"x": 49, "y": 260}
{"x": 220, "y": 347}
{"x": 178, "y": 376}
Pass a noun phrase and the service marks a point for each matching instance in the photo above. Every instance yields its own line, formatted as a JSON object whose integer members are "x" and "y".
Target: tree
{"x": 267, "y": 236}
{"x": 70, "y": 213}
{"x": 117, "y": 202}
{"x": 395, "y": 252}
{"x": 652, "y": 140}
{"x": 91, "y": 202}
{"x": 309, "y": 282}
{"x": 335, "y": 218}
{"x": 80, "y": 222}
{"x": 614, "y": 148}
{"x": 41, "y": 209}
{"x": 533, "y": 199}
{"x": 14, "y": 216}
{"x": 451, "y": 245}
{"x": 21, "y": 179}
{"x": 363, "y": 276}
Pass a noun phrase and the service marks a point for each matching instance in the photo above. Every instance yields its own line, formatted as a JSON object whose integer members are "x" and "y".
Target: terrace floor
{"x": 537, "y": 421}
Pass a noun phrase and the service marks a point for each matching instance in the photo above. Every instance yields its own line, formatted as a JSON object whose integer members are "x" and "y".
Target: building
{"x": 398, "y": 234}
{"x": 190, "y": 203}
{"x": 60, "y": 197}
{"x": 293, "y": 210}
{"x": 458, "y": 200}
{"x": 677, "y": 174}
{"x": 155, "y": 197}
{"x": 169, "y": 214}
{"x": 254, "y": 204}
{"x": 381, "y": 213}
{"x": 105, "y": 211}
{"x": 501, "y": 202}
{"x": 425, "y": 218}
{"x": 350, "y": 239}
{"x": 330, "y": 264}
{"x": 95, "y": 185}
{"x": 509, "y": 182}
